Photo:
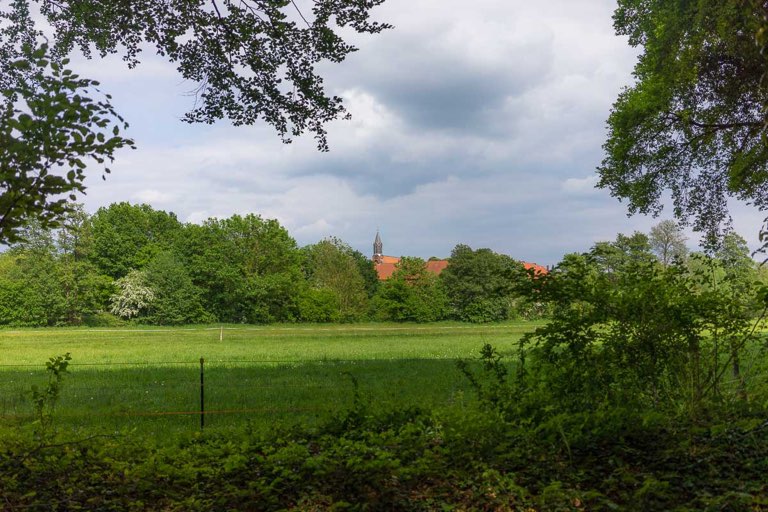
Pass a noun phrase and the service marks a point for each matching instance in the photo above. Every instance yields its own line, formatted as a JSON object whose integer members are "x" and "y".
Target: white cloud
{"x": 152, "y": 196}
{"x": 580, "y": 185}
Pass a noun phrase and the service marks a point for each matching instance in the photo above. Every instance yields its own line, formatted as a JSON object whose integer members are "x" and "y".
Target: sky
{"x": 472, "y": 122}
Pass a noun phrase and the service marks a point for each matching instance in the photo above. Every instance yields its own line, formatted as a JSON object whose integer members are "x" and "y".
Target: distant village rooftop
{"x": 386, "y": 265}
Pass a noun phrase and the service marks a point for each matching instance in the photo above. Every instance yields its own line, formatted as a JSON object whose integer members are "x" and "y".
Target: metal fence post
{"x": 202, "y": 393}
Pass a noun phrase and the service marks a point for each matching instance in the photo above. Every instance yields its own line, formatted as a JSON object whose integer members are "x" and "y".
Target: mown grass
{"x": 148, "y": 379}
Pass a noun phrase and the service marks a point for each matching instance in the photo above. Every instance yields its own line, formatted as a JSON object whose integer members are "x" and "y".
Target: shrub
{"x": 319, "y": 306}
{"x": 103, "y": 319}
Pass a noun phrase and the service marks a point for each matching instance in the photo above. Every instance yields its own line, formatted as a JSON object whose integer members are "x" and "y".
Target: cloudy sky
{"x": 473, "y": 122}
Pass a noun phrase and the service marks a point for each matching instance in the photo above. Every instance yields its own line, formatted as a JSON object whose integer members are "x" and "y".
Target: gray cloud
{"x": 443, "y": 92}
{"x": 477, "y": 123}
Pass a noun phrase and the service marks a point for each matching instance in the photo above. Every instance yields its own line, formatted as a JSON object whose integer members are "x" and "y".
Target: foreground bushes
{"x": 408, "y": 460}
{"x": 522, "y": 449}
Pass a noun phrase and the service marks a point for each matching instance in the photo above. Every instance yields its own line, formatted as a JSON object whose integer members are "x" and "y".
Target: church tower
{"x": 378, "y": 248}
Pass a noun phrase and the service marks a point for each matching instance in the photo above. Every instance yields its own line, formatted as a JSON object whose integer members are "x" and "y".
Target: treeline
{"x": 134, "y": 263}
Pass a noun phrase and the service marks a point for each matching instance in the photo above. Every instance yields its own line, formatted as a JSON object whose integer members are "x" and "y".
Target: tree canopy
{"x": 481, "y": 284}
{"x": 692, "y": 123}
{"x": 411, "y": 294}
{"x": 250, "y": 60}
{"x": 667, "y": 241}
{"x": 330, "y": 266}
{"x": 50, "y": 131}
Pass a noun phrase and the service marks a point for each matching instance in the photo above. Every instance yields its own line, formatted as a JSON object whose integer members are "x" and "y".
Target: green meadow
{"x": 147, "y": 380}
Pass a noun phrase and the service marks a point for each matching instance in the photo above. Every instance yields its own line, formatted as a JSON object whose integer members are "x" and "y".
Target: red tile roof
{"x": 385, "y": 270}
{"x": 388, "y": 264}
{"x": 537, "y": 269}
{"x": 390, "y": 259}
{"x": 437, "y": 266}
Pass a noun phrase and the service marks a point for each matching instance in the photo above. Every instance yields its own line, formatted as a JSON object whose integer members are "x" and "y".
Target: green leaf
{"x": 22, "y": 65}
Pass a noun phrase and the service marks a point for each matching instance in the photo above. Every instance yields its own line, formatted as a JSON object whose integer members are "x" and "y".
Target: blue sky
{"x": 473, "y": 122}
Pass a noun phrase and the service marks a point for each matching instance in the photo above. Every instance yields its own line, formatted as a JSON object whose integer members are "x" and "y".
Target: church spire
{"x": 378, "y": 247}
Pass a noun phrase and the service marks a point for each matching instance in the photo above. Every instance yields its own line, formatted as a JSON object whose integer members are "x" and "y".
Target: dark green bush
{"x": 319, "y": 306}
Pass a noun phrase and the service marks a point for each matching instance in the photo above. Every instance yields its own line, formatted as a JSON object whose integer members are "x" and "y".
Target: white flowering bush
{"x": 134, "y": 297}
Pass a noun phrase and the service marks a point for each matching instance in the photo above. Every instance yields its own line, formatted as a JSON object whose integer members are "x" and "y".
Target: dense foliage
{"x": 50, "y": 131}
{"x": 692, "y": 124}
{"x": 629, "y": 331}
{"x": 248, "y": 268}
{"x": 481, "y": 285}
{"x": 645, "y": 391}
{"x": 411, "y": 294}
{"x": 410, "y": 459}
{"x": 134, "y": 263}
{"x": 335, "y": 279}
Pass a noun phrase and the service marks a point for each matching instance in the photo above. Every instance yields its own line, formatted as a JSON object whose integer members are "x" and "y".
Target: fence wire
{"x": 116, "y": 394}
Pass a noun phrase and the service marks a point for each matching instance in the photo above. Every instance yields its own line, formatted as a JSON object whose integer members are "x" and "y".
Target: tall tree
{"x": 692, "y": 123}
{"x": 613, "y": 257}
{"x": 668, "y": 241}
{"x": 411, "y": 294}
{"x": 31, "y": 292}
{"x": 127, "y": 236}
{"x": 249, "y": 268}
{"x": 481, "y": 284}
{"x": 86, "y": 290}
{"x": 331, "y": 266}
{"x": 175, "y": 299}
{"x": 367, "y": 270}
{"x": 60, "y": 256}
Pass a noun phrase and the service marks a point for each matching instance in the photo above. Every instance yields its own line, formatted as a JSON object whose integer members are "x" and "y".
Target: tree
{"x": 55, "y": 269}
{"x": 127, "y": 236}
{"x": 251, "y": 59}
{"x": 668, "y": 241}
{"x": 270, "y": 268}
{"x": 319, "y": 305}
{"x": 739, "y": 286}
{"x": 86, "y": 290}
{"x": 481, "y": 285}
{"x": 31, "y": 291}
{"x": 330, "y": 265}
{"x": 175, "y": 299}
{"x": 50, "y": 130}
{"x": 613, "y": 257}
{"x": 249, "y": 268}
{"x": 367, "y": 270}
{"x": 411, "y": 294}
{"x": 693, "y": 121}
{"x": 642, "y": 333}
{"x": 214, "y": 267}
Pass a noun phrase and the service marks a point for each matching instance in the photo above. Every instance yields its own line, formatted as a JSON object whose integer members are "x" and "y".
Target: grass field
{"x": 148, "y": 379}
